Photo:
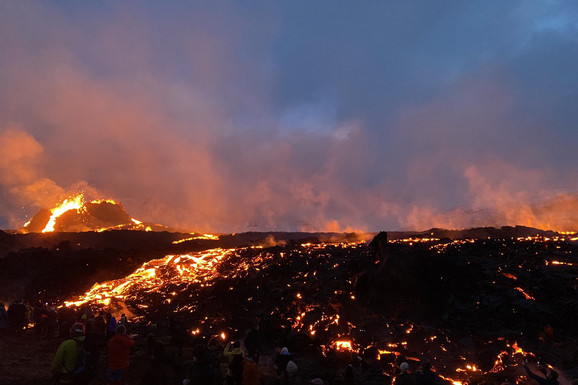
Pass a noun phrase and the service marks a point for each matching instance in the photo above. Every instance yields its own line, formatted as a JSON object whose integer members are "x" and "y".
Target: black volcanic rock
{"x": 39, "y": 221}
{"x": 106, "y": 212}
{"x": 465, "y": 300}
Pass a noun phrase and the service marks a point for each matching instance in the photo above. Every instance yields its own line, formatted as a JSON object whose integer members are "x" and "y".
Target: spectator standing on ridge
{"x": 111, "y": 325}
{"x": 119, "y": 355}
{"x": 234, "y": 355}
{"x": 281, "y": 361}
{"x": 17, "y": 316}
{"x": 52, "y": 322}
{"x": 99, "y": 329}
{"x": 372, "y": 372}
{"x": 291, "y": 374}
{"x": 251, "y": 374}
{"x": 253, "y": 342}
{"x": 403, "y": 378}
{"x": 426, "y": 376}
{"x": 286, "y": 369}
{"x": 201, "y": 371}
{"x": 123, "y": 320}
{"x": 65, "y": 362}
{"x": 215, "y": 349}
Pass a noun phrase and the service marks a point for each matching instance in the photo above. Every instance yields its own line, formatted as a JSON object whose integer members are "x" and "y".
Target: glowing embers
{"x": 157, "y": 276}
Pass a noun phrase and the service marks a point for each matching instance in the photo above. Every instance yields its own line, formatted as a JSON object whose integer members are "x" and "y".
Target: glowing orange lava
{"x": 75, "y": 202}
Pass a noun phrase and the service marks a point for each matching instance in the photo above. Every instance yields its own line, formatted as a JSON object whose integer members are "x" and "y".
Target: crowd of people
{"x": 88, "y": 337}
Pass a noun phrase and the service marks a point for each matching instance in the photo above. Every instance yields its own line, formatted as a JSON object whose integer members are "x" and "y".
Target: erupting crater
{"x": 76, "y": 214}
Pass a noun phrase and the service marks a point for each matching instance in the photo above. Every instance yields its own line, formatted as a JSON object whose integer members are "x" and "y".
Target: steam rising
{"x": 263, "y": 119}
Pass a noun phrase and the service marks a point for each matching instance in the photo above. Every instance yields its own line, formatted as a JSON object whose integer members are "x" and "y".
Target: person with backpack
{"x": 234, "y": 355}
{"x": 67, "y": 362}
{"x": 111, "y": 325}
{"x": 119, "y": 355}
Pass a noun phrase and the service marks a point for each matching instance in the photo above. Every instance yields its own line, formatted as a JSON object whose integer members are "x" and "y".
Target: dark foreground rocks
{"x": 450, "y": 301}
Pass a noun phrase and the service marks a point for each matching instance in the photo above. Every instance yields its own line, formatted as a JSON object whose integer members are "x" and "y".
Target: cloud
{"x": 292, "y": 116}
{"x": 20, "y": 157}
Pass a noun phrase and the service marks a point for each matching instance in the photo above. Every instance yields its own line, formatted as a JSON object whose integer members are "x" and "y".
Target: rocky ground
{"x": 453, "y": 299}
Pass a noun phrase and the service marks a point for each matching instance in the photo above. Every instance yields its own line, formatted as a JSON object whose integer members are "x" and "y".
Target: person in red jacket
{"x": 119, "y": 356}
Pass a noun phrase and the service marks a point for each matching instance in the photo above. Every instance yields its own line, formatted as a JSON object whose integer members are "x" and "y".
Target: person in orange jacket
{"x": 119, "y": 356}
{"x": 251, "y": 374}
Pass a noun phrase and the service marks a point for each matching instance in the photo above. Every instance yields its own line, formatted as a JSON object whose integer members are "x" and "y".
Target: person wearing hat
{"x": 65, "y": 360}
{"x": 119, "y": 355}
{"x": 281, "y": 361}
{"x": 403, "y": 378}
{"x": 291, "y": 373}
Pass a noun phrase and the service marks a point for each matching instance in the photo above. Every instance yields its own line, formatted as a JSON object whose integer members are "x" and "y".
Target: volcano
{"x": 75, "y": 214}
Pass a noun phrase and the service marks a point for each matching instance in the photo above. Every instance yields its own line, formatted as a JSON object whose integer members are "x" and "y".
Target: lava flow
{"x": 311, "y": 289}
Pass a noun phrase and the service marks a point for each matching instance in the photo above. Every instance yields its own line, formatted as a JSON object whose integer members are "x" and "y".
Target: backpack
{"x": 81, "y": 359}
{"x": 83, "y": 364}
{"x": 236, "y": 365}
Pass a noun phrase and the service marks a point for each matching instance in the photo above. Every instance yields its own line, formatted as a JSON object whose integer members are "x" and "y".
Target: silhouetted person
{"x": 403, "y": 378}
{"x": 202, "y": 371}
{"x": 52, "y": 322}
{"x": 426, "y": 376}
{"x": 66, "y": 360}
{"x": 111, "y": 325}
{"x": 17, "y": 316}
{"x": 119, "y": 355}
{"x": 282, "y": 360}
{"x": 234, "y": 355}
{"x": 66, "y": 318}
{"x": 99, "y": 330}
{"x": 251, "y": 373}
{"x": 214, "y": 350}
{"x": 372, "y": 372}
{"x": 253, "y": 342}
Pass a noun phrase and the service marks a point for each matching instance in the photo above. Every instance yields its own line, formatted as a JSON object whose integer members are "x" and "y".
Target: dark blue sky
{"x": 293, "y": 115}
